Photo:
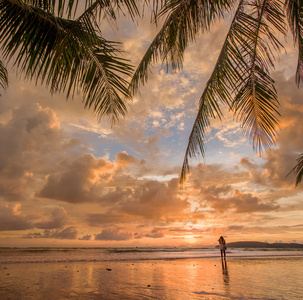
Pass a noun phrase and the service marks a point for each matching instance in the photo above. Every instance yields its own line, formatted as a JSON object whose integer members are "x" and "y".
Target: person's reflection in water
{"x": 225, "y": 276}
{"x": 224, "y": 269}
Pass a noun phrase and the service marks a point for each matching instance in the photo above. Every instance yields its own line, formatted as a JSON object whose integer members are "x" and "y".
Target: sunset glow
{"x": 67, "y": 179}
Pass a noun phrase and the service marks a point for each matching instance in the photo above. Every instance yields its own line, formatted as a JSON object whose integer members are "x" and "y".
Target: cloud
{"x": 152, "y": 200}
{"x": 113, "y": 235}
{"x": 215, "y": 190}
{"x": 51, "y": 152}
{"x": 108, "y": 218}
{"x": 12, "y": 219}
{"x": 280, "y": 161}
{"x": 230, "y": 134}
{"x": 57, "y": 219}
{"x": 155, "y": 234}
{"x": 239, "y": 202}
{"x": 31, "y": 140}
{"x": 235, "y": 228}
{"x": 125, "y": 159}
{"x": 273, "y": 230}
{"x": 80, "y": 182}
{"x": 155, "y": 200}
{"x": 85, "y": 237}
{"x": 69, "y": 233}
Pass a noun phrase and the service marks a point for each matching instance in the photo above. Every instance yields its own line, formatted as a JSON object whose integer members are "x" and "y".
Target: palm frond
{"x": 294, "y": 10}
{"x": 241, "y": 78}
{"x": 185, "y": 20}
{"x": 298, "y": 169}
{"x": 256, "y": 103}
{"x": 3, "y": 76}
{"x": 101, "y": 8}
{"x": 223, "y": 80}
{"x": 68, "y": 55}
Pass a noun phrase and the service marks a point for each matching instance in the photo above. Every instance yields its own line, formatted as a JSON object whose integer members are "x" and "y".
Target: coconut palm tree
{"x": 241, "y": 78}
{"x": 61, "y": 45}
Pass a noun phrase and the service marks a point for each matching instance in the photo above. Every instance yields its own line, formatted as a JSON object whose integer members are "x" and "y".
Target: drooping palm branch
{"x": 225, "y": 76}
{"x": 241, "y": 78}
{"x": 185, "y": 19}
{"x": 3, "y": 76}
{"x": 294, "y": 10}
{"x": 68, "y": 55}
{"x": 242, "y": 72}
{"x": 256, "y": 102}
{"x": 298, "y": 169}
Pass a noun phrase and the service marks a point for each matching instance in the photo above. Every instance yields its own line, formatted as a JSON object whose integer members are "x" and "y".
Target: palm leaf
{"x": 223, "y": 79}
{"x": 101, "y": 8}
{"x": 294, "y": 10}
{"x": 185, "y": 20}
{"x": 298, "y": 169}
{"x": 68, "y": 55}
{"x": 256, "y": 102}
{"x": 3, "y": 76}
{"x": 241, "y": 78}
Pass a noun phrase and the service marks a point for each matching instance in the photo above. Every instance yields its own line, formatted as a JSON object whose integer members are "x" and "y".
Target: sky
{"x": 68, "y": 179}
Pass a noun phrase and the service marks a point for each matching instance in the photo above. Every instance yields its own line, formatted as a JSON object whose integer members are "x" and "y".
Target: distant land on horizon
{"x": 253, "y": 244}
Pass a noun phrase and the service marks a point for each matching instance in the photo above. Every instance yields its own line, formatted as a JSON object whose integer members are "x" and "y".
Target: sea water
{"x": 150, "y": 273}
{"x": 35, "y": 255}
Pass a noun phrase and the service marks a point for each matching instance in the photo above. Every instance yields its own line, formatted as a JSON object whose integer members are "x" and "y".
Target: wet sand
{"x": 259, "y": 278}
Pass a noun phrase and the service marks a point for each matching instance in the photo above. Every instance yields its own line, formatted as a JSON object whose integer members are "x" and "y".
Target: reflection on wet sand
{"x": 225, "y": 276}
{"x": 193, "y": 279}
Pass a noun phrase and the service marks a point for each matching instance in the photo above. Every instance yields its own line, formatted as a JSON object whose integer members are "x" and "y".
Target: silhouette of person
{"x": 222, "y": 247}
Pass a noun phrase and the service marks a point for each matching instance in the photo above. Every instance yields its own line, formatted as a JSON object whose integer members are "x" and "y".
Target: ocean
{"x": 36, "y": 255}
{"x": 150, "y": 273}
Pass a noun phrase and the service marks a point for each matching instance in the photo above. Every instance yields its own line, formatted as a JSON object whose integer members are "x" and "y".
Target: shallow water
{"x": 29, "y": 255}
{"x": 198, "y": 278}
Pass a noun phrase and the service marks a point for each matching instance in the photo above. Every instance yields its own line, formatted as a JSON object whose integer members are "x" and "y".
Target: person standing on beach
{"x": 222, "y": 247}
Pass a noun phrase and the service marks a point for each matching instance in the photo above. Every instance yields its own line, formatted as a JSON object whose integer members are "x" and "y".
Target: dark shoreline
{"x": 256, "y": 245}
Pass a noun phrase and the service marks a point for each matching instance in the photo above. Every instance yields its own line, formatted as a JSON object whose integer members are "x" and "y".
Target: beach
{"x": 272, "y": 277}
